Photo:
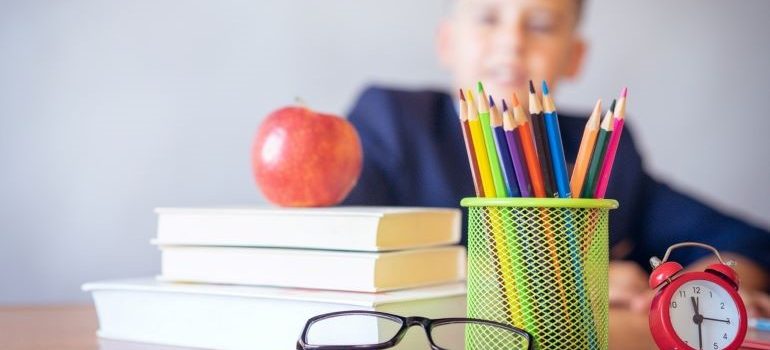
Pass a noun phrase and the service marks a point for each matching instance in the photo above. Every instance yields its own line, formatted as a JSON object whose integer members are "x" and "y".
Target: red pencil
{"x": 523, "y": 126}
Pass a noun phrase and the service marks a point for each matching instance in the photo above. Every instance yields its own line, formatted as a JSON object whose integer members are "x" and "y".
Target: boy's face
{"x": 504, "y": 43}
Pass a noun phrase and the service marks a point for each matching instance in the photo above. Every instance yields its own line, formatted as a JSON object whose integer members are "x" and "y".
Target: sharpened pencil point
{"x": 515, "y": 100}
{"x": 624, "y": 93}
{"x": 505, "y": 106}
{"x": 462, "y": 96}
{"x": 531, "y": 87}
{"x": 470, "y": 95}
{"x": 480, "y": 87}
{"x": 612, "y": 106}
{"x": 597, "y": 113}
{"x": 491, "y": 101}
{"x": 545, "y": 88}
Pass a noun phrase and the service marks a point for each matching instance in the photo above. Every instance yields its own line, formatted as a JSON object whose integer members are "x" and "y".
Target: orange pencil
{"x": 528, "y": 146}
{"x": 472, "y": 162}
{"x": 585, "y": 151}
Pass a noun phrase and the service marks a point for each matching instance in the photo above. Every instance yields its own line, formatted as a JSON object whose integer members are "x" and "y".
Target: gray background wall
{"x": 111, "y": 108}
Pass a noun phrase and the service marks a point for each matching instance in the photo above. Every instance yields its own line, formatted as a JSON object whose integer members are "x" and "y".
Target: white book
{"x": 239, "y": 317}
{"x": 320, "y": 269}
{"x": 335, "y": 228}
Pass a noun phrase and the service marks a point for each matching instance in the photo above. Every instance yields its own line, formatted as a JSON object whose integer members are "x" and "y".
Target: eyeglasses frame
{"x": 427, "y": 325}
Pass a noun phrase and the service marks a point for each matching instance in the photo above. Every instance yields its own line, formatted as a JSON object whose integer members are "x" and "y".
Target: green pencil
{"x": 598, "y": 157}
{"x": 489, "y": 141}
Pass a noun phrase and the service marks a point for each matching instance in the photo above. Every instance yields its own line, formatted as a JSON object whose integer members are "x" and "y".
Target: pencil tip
{"x": 462, "y": 97}
{"x": 624, "y": 93}
{"x": 612, "y": 106}
{"x": 480, "y": 87}
{"x": 515, "y": 100}
{"x": 491, "y": 101}
{"x": 505, "y": 106}
{"x": 531, "y": 87}
{"x": 545, "y": 88}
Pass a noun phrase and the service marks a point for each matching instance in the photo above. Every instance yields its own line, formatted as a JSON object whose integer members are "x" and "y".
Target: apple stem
{"x": 301, "y": 102}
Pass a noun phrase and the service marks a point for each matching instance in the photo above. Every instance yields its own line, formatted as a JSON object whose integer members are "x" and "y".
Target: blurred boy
{"x": 414, "y": 153}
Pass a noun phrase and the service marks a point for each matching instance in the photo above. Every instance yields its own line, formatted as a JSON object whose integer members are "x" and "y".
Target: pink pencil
{"x": 612, "y": 146}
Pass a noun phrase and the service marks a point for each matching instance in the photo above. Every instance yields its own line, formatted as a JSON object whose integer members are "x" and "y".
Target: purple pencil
{"x": 515, "y": 149}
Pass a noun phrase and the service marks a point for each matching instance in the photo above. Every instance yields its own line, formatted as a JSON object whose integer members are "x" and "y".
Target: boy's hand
{"x": 757, "y": 303}
{"x": 628, "y": 284}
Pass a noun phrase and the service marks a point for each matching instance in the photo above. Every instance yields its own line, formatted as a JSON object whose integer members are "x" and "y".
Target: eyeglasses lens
{"x": 477, "y": 336}
{"x": 352, "y": 330}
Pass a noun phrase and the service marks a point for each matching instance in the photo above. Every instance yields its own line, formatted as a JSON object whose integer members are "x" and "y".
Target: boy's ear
{"x": 444, "y": 43}
{"x": 577, "y": 57}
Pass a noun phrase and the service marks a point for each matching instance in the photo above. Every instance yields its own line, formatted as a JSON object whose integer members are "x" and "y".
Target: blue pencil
{"x": 501, "y": 144}
{"x": 554, "y": 141}
{"x": 563, "y": 187}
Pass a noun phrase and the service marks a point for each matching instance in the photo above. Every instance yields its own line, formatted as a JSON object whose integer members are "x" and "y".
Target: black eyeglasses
{"x": 372, "y": 330}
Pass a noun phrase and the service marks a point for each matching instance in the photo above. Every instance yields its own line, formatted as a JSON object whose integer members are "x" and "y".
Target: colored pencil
{"x": 541, "y": 141}
{"x": 515, "y": 150}
{"x": 503, "y": 151}
{"x": 494, "y": 161}
{"x": 560, "y": 173}
{"x": 524, "y": 129}
{"x": 477, "y": 136}
{"x": 586, "y": 149}
{"x": 612, "y": 146}
{"x": 502, "y": 257}
{"x": 589, "y": 187}
{"x": 572, "y": 260}
{"x": 521, "y": 244}
{"x": 472, "y": 163}
{"x": 509, "y": 225}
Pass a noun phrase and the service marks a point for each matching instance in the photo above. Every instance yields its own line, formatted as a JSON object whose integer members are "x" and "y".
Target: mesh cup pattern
{"x": 541, "y": 269}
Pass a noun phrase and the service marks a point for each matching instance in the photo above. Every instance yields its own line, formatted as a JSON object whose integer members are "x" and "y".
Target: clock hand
{"x": 714, "y": 319}
{"x": 695, "y": 305}
{"x": 700, "y": 337}
{"x": 698, "y": 319}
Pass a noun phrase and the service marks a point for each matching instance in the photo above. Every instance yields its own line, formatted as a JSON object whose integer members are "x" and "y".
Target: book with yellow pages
{"x": 319, "y": 269}
{"x": 335, "y": 228}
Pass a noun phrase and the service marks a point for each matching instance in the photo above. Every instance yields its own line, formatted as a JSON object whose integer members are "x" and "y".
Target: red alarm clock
{"x": 696, "y": 310}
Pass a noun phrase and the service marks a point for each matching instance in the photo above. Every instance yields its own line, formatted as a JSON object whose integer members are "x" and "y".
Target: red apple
{"x": 302, "y": 158}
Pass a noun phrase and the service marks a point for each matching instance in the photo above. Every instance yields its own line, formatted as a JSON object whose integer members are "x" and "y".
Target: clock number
{"x": 724, "y": 336}
{"x": 673, "y": 304}
{"x": 696, "y": 290}
{"x": 683, "y": 294}
{"x": 711, "y": 295}
{"x": 716, "y": 346}
{"x": 722, "y": 305}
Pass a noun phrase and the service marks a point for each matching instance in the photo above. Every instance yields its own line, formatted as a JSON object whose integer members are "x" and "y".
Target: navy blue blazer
{"x": 414, "y": 155}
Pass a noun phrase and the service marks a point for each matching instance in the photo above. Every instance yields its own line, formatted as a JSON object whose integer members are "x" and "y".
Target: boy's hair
{"x": 579, "y": 4}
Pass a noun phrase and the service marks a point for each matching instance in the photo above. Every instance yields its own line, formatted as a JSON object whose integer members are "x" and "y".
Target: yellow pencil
{"x": 489, "y": 142}
{"x": 503, "y": 267}
{"x": 477, "y": 136}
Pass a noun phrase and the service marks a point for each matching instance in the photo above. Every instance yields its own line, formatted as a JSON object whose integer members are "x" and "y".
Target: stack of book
{"x": 251, "y": 277}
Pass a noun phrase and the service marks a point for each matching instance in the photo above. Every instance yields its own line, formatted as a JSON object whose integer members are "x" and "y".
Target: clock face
{"x": 704, "y": 315}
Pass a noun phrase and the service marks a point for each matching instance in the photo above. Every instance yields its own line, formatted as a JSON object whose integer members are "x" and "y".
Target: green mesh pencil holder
{"x": 540, "y": 264}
